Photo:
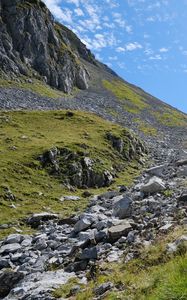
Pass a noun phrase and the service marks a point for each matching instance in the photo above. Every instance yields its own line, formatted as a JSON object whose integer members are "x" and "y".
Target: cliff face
{"x": 34, "y": 45}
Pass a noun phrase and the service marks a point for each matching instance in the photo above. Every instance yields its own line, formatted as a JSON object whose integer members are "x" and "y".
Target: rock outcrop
{"x": 33, "y": 45}
{"x": 77, "y": 168}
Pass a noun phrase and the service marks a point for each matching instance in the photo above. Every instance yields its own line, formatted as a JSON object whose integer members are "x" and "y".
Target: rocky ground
{"x": 116, "y": 224}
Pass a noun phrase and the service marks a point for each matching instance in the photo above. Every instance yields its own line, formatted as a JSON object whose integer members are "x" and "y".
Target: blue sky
{"x": 144, "y": 41}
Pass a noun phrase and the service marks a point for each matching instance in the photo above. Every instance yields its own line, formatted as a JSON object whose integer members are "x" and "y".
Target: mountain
{"x": 41, "y": 55}
{"x": 93, "y": 172}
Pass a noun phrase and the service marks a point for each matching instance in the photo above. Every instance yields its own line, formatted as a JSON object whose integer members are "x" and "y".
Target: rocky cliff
{"x": 33, "y": 44}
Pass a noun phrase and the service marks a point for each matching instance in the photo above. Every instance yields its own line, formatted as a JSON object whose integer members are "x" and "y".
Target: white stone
{"x": 154, "y": 185}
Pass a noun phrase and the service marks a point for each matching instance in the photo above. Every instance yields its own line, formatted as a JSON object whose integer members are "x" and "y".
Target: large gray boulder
{"x": 115, "y": 232}
{"x": 154, "y": 185}
{"x": 10, "y": 248}
{"x": 122, "y": 208}
{"x": 157, "y": 170}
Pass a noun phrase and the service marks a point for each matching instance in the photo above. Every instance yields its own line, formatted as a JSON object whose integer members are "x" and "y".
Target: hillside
{"x": 42, "y": 61}
{"x": 93, "y": 172}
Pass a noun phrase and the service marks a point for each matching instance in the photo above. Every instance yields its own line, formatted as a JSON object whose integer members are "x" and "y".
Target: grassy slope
{"x": 26, "y": 135}
{"x": 155, "y": 275}
{"x": 136, "y": 102}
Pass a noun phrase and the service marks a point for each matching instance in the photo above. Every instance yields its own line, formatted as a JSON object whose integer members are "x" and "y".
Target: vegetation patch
{"x": 26, "y": 187}
{"x": 146, "y": 128}
{"x": 170, "y": 117}
{"x": 133, "y": 102}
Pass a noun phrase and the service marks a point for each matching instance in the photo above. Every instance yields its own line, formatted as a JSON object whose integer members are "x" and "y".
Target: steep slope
{"x": 40, "y": 59}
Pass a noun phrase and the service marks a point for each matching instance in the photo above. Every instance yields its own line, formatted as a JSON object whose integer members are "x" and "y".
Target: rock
{"x": 89, "y": 253}
{"x": 103, "y": 288}
{"x": 157, "y": 171}
{"x": 26, "y": 242}
{"x": 115, "y": 232}
{"x": 8, "y": 280}
{"x": 70, "y": 198}
{"x": 101, "y": 236}
{"x": 166, "y": 228}
{"x": 131, "y": 237}
{"x": 10, "y": 248}
{"x": 183, "y": 197}
{"x": 76, "y": 266}
{"x": 108, "y": 195}
{"x": 181, "y": 239}
{"x": 4, "y": 263}
{"x": 51, "y": 55}
{"x": 122, "y": 188}
{"x": 154, "y": 185}
{"x": 82, "y": 224}
{"x": 36, "y": 219}
{"x": 173, "y": 247}
{"x": 14, "y": 238}
{"x": 123, "y": 207}
{"x": 87, "y": 235}
{"x": 114, "y": 256}
{"x": 40, "y": 244}
{"x": 181, "y": 162}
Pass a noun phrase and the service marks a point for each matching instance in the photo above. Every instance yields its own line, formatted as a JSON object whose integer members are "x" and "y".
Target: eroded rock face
{"x": 32, "y": 44}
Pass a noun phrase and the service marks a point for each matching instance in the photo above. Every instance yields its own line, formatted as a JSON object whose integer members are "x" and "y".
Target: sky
{"x": 143, "y": 41}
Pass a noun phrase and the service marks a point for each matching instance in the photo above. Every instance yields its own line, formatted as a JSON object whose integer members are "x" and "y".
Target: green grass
{"x": 146, "y": 128}
{"x": 132, "y": 102}
{"x": 155, "y": 275}
{"x": 170, "y": 117}
{"x": 37, "y": 86}
{"x": 26, "y": 135}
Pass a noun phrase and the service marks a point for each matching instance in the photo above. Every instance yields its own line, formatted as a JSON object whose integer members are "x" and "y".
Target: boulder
{"x": 154, "y": 185}
{"x": 122, "y": 207}
{"x": 157, "y": 170}
{"x": 69, "y": 198}
{"x": 36, "y": 219}
{"x": 82, "y": 224}
{"x": 4, "y": 263}
{"x": 14, "y": 238}
{"x": 89, "y": 253}
{"x": 103, "y": 288}
{"x": 8, "y": 280}
{"x": 115, "y": 232}
{"x": 10, "y": 248}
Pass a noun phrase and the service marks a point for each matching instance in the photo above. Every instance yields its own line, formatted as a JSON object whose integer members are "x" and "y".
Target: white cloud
{"x": 79, "y": 12}
{"x": 64, "y": 15}
{"x": 156, "y": 57}
{"x": 113, "y": 58}
{"x": 129, "y": 47}
{"x": 120, "y": 49}
{"x": 75, "y": 2}
{"x": 163, "y": 50}
{"x": 133, "y": 46}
